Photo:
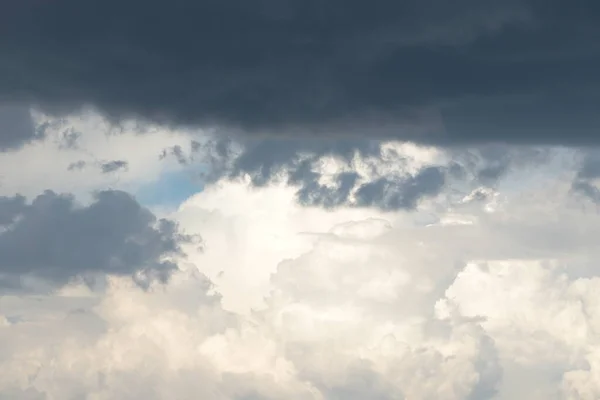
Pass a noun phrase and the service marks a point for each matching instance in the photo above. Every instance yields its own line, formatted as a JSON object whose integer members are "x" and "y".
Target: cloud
{"x": 77, "y": 165}
{"x": 552, "y": 321}
{"x": 518, "y": 71}
{"x": 177, "y": 340}
{"x": 56, "y": 240}
{"x": 390, "y": 269}
{"x": 106, "y": 167}
{"x": 69, "y": 155}
{"x": 330, "y": 174}
{"x": 330, "y": 267}
{"x": 492, "y": 296}
{"x": 113, "y": 166}
{"x": 16, "y": 126}
{"x": 388, "y": 175}
{"x": 406, "y": 194}
{"x": 585, "y": 181}
{"x": 127, "y": 346}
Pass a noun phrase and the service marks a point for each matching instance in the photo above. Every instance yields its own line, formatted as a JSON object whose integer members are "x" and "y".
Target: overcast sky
{"x": 298, "y": 199}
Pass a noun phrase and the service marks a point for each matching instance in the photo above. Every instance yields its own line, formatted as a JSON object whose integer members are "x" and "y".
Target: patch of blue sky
{"x": 559, "y": 167}
{"x": 170, "y": 189}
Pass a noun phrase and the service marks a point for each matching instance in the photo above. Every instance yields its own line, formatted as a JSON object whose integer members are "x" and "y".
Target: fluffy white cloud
{"x": 493, "y": 297}
{"x": 470, "y": 293}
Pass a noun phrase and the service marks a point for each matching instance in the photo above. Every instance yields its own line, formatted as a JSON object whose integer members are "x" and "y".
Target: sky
{"x": 285, "y": 199}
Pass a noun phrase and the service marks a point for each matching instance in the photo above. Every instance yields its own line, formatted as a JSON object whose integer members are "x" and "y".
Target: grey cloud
{"x": 105, "y": 167}
{"x": 10, "y": 208}
{"x": 294, "y": 161}
{"x": 589, "y": 170}
{"x": 314, "y": 194}
{"x": 54, "y": 239}
{"x": 590, "y": 166}
{"x": 490, "y": 163}
{"x": 113, "y": 166}
{"x": 361, "y": 383}
{"x": 403, "y": 194}
{"x": 489, "y": 370}
{"x": 586, "y": 189}
{"x": 16, "y": 126}
{"x": 268, "y": 160}
{"x": 195, "y": 145}
{"x": 262, "y": 158}
{"x": 463, "y": 72}
{"x": 383, "y": 193}
{"x": 22, "y": 394}
{"x": 77, "y": 166}
{"x": 69, "y": 139}
{"x": 178, "y": 152}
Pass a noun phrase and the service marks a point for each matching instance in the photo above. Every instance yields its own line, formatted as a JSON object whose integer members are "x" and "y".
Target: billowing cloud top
{"x": 519, "y": 71}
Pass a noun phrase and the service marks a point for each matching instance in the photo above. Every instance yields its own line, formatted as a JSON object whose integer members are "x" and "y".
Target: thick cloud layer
{"x": 55, "y": 240}
{"x": 496, "y": 299}
{"x": 519, "y": 71}
{"x": 347, "y": 265}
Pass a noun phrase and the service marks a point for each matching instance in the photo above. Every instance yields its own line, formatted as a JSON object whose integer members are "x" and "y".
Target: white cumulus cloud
{"x": 292, "y": 302}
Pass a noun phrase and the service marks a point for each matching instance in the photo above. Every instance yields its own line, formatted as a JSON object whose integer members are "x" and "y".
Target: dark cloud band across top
{"x": 461, "y": 72}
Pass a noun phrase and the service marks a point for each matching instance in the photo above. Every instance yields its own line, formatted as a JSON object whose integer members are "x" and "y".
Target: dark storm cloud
{"x": 383, "y": 193}
{"x": 16, "y": 126}
{"x": 263, "y": 159}
{"x": 54, "y": 239}
{"x": 518, "y": 71}
{"x": 401, "y": 194}
{"x": 296, "y": 162}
